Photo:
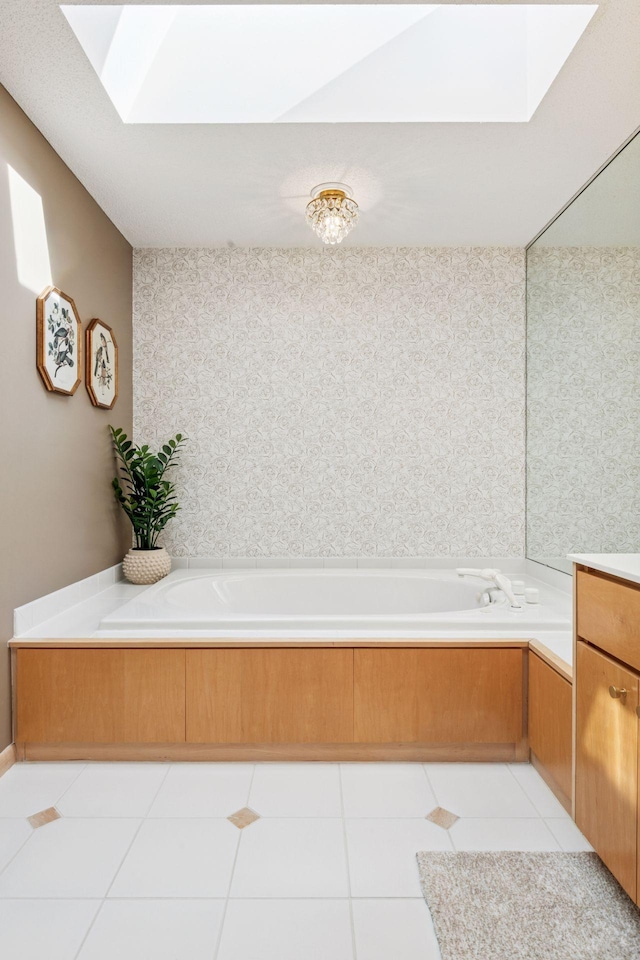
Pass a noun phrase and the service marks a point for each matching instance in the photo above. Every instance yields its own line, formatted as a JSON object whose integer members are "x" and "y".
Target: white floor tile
{"x": 287, "y": 930}
{"x": 44, "y": 929}
{"x": 155, "y": 930}
{"x": 179, "y": 858}
{"x": 503, "y": 834}
{"x": 296, "y": 790}
{"x": 291, "y": 858}
{"x": 538, "y": 792}
{"x": 69, "y": 858}
{"x": 568, "y": 836}
{"x": 382, "y": 855}
{"x": 397, "y": 929}
{"x": 203, "y": 790}
{"x": 27, "y": 788}
{"x": 386, "y": 790}
{"x": 479, "y": 790}
{"x": 113, "y": 790}
{"x": 13, "y": 833}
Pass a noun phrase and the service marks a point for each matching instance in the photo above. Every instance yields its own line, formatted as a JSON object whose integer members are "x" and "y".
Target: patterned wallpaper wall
{"x": 583, "y": 442}
{"x": 339, "y": 402}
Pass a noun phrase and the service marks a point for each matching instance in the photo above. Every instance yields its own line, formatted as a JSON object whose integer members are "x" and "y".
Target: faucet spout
{"x": 493, "y": 576}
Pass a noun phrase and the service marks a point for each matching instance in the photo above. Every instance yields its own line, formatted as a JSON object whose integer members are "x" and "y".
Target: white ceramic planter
{"x": 146, "y": 566}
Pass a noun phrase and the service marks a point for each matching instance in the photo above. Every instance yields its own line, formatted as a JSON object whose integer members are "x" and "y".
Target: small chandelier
{"x": 332, "y": 214}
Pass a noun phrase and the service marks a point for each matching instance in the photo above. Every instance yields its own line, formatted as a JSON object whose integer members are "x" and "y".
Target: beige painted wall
{"x": 58, "y": 519}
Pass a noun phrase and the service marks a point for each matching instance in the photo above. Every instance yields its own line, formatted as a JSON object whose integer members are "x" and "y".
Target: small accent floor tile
{"x": 442, "y": 818}
{"x": 43, "y": 818}
{"x": 243, "y": 818}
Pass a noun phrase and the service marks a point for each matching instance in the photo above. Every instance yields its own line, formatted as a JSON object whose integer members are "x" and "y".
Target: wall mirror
{"x": 583, "y": 372}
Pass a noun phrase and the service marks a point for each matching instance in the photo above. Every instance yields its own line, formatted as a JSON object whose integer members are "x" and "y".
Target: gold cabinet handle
{"x": 638, "y": 711}
{"x": 618, "y": 693}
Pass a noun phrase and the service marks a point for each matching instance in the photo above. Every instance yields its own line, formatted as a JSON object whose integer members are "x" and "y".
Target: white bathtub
{"x": 311, "y": 600}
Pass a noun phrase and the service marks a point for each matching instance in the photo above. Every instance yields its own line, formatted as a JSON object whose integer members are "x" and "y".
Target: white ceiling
{"x": 416, "y": 183}
{"x": 607, "y": 213}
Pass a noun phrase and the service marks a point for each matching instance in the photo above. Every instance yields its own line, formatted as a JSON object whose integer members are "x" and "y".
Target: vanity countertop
{"x": 623, "y": 565}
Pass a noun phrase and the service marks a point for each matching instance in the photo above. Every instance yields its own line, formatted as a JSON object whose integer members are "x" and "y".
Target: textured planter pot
{"x": 146, "y": 566}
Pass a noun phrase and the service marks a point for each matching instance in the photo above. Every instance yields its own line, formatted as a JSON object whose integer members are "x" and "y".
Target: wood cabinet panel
{"x": 550, "y": 721}
{"x": 607, "y": 762}
{"x": 270, "y": 696}
{"x": 608, "y": 615}
{"x": 100, "y": 696}
{"x": 70, "y": 695}
{"x": 438, "y": 695}
{"x": 154, "y": 696}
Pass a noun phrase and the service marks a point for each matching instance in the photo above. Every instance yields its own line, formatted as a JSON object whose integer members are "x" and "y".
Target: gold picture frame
{"x": 101, "y": 364}
{"x": 58, "y": 341}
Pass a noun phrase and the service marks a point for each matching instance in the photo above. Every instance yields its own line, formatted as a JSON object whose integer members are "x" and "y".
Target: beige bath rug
{"x": 528, "y": 906}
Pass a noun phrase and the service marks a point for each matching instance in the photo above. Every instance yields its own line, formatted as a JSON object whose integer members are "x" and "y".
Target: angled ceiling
{"x": 417, "y": 183}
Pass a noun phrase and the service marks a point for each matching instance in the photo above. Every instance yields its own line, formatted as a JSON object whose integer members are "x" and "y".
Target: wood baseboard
{"x": 551, "y": 782}
{"x": 257, "y": 752}
{"x": 7, "y": 758}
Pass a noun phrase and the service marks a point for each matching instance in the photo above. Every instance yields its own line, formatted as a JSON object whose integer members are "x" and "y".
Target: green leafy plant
{"x": 145, "y": 496}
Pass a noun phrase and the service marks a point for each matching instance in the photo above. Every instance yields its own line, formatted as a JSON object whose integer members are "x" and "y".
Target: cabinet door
{"x": 275, "y": 695}
{"x": 100, "y": 696}
{"x": 438, "y": 695}
{"x": 550, "y": 721}
{"x": 607, "y": 762}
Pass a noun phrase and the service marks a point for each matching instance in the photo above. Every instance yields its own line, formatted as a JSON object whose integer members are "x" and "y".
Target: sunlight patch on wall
{"x": 29, "y": 234}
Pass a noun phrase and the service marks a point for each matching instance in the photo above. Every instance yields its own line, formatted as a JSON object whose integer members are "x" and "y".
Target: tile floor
{"x": 143, "y": 863}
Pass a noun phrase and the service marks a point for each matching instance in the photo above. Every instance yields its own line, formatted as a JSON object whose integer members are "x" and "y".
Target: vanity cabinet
{"x": 607, "y": 684}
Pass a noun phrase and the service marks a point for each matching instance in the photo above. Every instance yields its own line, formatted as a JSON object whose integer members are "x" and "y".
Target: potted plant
{"x": 148, "y": 500}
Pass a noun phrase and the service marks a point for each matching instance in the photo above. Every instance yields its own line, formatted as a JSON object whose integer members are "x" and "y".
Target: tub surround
{"x": 456, "y": 691}
{"x": 76, "y": 614}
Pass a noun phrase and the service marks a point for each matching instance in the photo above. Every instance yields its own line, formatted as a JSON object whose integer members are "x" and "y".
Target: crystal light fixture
{"x": 332, "y": 214}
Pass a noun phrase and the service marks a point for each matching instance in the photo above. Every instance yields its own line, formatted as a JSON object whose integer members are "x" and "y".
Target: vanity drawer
{"x": 608, "y": 615}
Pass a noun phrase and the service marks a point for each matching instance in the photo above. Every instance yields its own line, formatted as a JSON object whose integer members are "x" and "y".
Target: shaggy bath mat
{"x": 528, "y": 906}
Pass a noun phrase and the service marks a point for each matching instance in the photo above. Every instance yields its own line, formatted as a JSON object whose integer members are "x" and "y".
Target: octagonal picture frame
{"x": 58, "y": 341}
{"x": 101, "y": 364}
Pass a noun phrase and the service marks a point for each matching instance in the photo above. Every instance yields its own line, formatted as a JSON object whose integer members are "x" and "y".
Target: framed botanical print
{"x": 58, "y": 341}
{"x": 101, "y": 371}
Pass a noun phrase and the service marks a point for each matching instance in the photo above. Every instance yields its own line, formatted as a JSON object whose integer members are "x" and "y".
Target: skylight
{"x": 318, "y": 63}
